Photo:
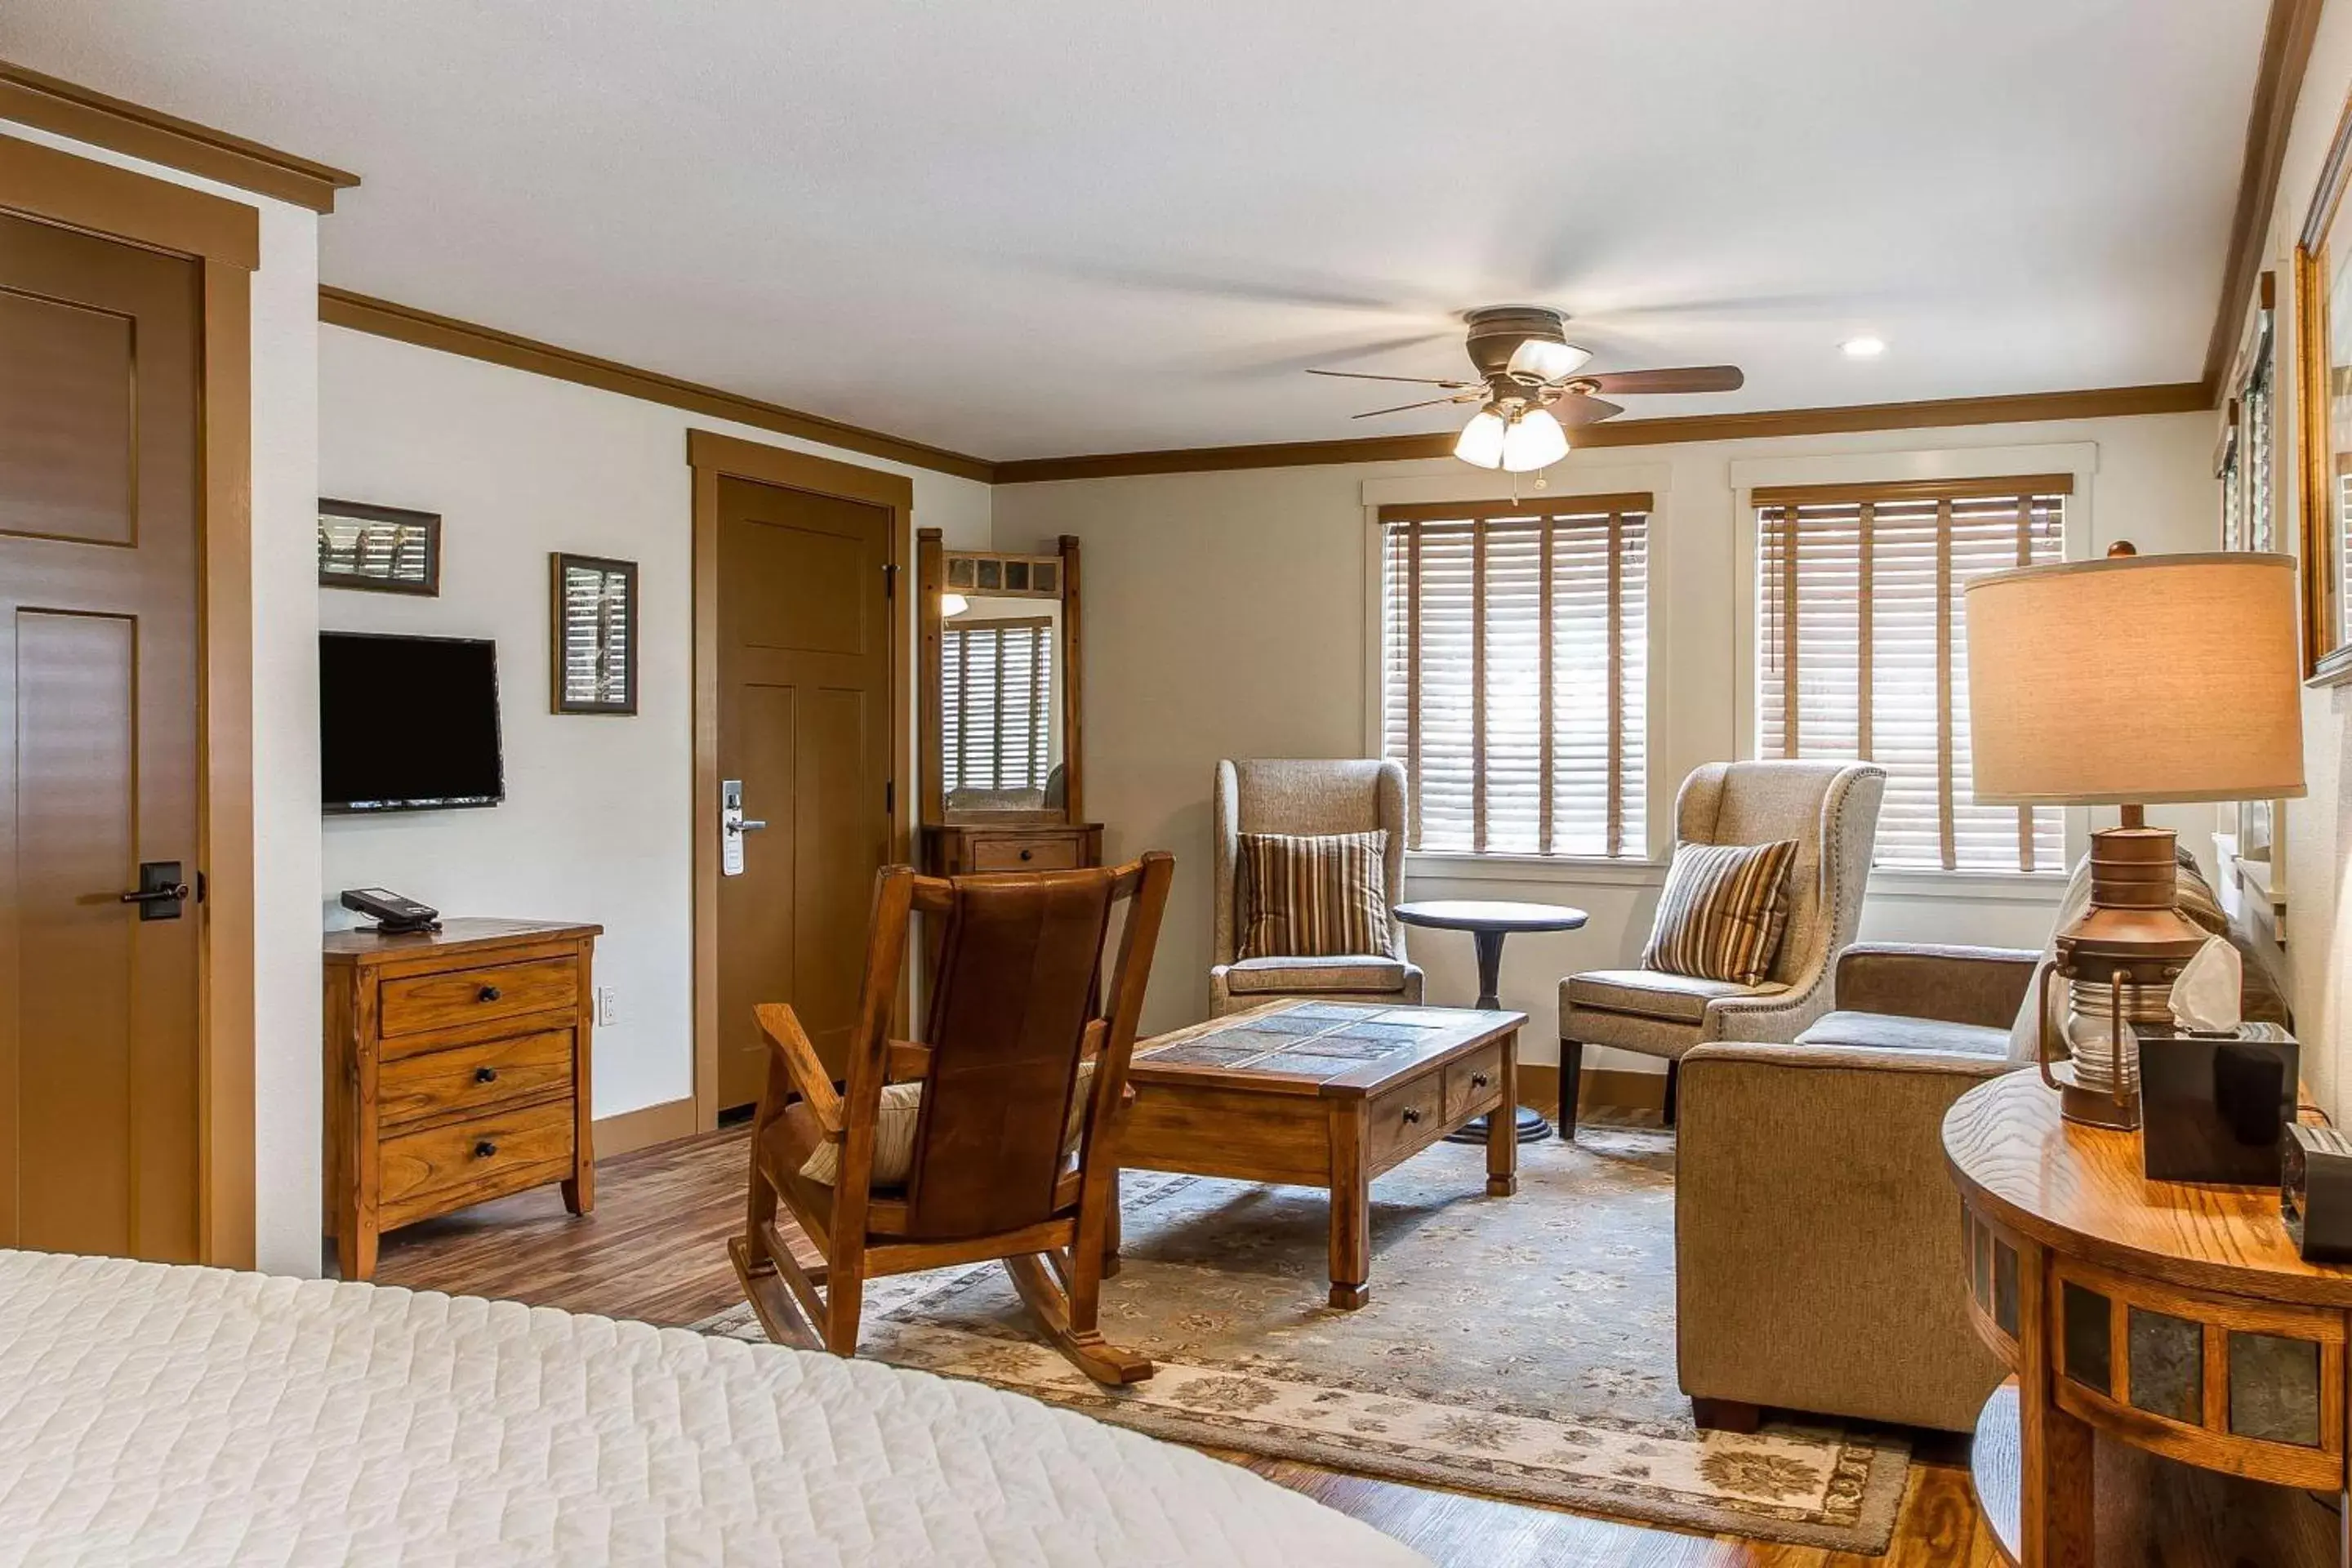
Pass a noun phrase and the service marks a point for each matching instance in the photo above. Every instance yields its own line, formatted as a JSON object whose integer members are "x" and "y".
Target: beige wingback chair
{"x": 1831, "y": 809}
{"x": 1307, "y": 797}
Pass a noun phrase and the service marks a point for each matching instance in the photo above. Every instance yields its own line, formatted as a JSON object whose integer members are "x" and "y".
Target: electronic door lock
{"x": 732, "y": 826}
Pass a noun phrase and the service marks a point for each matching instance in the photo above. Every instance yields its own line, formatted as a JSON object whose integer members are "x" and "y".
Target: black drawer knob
{"x": 1478, "y": 1080}
{"x": 1411, "y": 1115}
{"x": 485, "y": 1149}
{"x": 492, "y": 993}
{"x": 485, "y": 1075}
{"x": 1028, "y": 854}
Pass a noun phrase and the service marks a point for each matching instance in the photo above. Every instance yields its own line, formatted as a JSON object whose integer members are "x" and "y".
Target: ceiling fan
{"x": 1533, "y": 388}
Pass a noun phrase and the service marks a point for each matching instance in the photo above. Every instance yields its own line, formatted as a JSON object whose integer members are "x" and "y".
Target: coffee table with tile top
{"x": 1324, "y": 1094}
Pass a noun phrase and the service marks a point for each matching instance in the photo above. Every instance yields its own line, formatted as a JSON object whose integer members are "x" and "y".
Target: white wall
{"x": 597, "y": 824}
{"x": 1228, "y": 616}
{"x": 285, "y": 304}
{"x": 2318, "y": 836}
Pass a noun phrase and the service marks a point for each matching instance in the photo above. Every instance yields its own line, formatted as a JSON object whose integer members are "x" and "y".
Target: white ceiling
{"x": 1029, "y": 227}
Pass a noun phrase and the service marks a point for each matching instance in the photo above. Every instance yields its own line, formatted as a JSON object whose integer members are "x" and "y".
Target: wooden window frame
{"x": 225, "y": 239}
{"x": 1778, "y": 626}
{"x": 1608, "y": 510}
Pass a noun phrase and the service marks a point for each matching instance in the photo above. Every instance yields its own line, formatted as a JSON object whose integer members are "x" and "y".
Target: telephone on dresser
{"x": 394, "y": 915}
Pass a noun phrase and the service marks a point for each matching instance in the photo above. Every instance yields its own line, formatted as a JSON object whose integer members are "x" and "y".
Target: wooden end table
{"x": 1488, "y": 922}
{"x": 1323, "y": 1094}
{"x": 2163, "y": 1334}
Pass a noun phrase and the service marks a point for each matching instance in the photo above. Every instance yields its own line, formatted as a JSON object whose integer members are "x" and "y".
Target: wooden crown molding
{"x": 63, "y": 109}
{"x": 340, "y": 307}
{"x": 2105, "y": 403}
{"x": 2278, "y": 82}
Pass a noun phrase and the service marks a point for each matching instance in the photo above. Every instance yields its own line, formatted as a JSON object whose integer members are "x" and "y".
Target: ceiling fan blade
{"x": 1400, "y": 408}
{"x": 1576, "y": 409}
{"x": 1415, "y": 380}
{"x": 1695, "y": 378}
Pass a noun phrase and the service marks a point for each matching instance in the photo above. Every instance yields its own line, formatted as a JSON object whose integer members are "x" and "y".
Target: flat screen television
{"x": 408, "y": 723}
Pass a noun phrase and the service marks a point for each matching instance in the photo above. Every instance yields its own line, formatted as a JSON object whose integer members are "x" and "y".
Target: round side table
{"x": 2142, "y": 1318}
{"x": 1488, "y": 922}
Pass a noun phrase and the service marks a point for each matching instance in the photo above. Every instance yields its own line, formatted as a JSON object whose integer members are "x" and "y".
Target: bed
{"x": 151, "y": 1413}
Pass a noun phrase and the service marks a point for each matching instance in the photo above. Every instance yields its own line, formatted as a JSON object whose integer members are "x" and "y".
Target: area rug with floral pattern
{"x": 1522, "y": 1347}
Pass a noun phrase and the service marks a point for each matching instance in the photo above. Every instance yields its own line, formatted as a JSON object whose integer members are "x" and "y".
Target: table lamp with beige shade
{"x": 2130, "y": 681}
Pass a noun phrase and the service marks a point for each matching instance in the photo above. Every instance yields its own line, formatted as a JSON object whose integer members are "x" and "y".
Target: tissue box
{"x": 2216, "y": 1107}
{"x": 2315, "y": 1193}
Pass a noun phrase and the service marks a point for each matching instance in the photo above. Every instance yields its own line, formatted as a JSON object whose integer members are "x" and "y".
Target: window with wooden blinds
{"x": 1514, "y": 652}
{"x": 996, "y": 704}
{"x": 1861, "y": 650}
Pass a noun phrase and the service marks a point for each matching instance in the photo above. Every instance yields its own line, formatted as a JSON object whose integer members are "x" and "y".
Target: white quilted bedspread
{"x": 153, "y": 1415}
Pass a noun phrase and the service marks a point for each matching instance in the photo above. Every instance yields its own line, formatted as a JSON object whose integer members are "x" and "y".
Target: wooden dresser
{"x": 953, "y": 849}
{"x": 456, "y": 1071}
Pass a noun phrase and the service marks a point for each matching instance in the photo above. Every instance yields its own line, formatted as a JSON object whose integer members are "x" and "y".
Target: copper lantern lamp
{"x": 2130, "y": 681}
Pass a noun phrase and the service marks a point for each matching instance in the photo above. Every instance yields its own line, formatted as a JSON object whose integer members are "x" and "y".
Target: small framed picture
{"x": 594, "y": 616}
{"x": 379, "y": 549}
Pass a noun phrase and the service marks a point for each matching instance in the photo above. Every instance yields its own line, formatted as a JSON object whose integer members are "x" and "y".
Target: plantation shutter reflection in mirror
{"x": 595, "y": 615}
{"x": 996, "y": 704}
{"x": 1514, "y": 640}
{"x": 1862, "y": 649}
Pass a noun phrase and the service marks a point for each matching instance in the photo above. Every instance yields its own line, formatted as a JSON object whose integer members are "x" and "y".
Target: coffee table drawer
{"x": 1474, "y": 1084}
{"x": 1409, "y": 1117}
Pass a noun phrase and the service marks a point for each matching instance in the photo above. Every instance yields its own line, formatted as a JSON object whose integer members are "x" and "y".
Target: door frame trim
{"x": 713, "y": 457}
{"x": 224, "y": 237}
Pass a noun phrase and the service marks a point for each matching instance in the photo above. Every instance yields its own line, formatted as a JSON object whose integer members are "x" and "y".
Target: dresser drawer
{"x": 1473, "y": 1083}
{"x": 461, "y": 1163}
{"x": 1059, "y": 852}
{"x": 417, "y": 1004}
{"x": 1407, "y": 1117}
{"x": 468, "y": 1079}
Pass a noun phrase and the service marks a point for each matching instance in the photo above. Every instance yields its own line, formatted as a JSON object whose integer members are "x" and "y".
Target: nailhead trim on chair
{"x": 1793, "y": 1001}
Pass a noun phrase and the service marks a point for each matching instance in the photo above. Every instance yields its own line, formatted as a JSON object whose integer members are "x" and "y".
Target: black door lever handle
{"x": 161, "y": 892}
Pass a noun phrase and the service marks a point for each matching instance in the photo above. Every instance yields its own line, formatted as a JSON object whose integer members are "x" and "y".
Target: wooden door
{"x": 100, "y": 388}
{"x": 805, "y": 673}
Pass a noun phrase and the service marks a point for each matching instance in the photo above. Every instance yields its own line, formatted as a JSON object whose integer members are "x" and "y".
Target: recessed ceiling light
{"x": 1863, "y": 348}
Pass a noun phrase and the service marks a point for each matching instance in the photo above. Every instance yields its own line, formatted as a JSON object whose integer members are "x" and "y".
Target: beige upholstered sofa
{"x": 1817, "y": 1248}
{"x": 1307, "y": 797}
{"x": 1831, "y": 809}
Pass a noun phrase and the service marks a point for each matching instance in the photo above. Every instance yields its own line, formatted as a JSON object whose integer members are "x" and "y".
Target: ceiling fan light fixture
{"x": 1546, "y": 359}
{"x": 1534, "y": 440}
{"x": 1483, "y": 440}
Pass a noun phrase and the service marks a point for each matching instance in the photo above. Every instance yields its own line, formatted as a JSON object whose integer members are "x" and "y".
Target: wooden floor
{"x": 655, "y": 1249}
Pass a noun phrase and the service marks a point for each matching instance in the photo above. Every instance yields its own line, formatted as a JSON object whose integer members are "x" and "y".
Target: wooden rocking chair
{"x": 993, "y": 1137}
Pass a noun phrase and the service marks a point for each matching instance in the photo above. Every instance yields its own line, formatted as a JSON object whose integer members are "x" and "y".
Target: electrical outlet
{"x": 606, "y": 1010}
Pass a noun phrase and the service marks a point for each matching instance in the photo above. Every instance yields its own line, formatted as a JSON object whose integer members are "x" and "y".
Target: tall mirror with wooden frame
{"x": 2323, "y": 291}
{"x": 1002, "y": 772}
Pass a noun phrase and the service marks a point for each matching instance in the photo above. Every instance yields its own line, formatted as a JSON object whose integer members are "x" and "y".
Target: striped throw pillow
{"x": 1319, "y": 896}
{"x": 1722, "y": 912}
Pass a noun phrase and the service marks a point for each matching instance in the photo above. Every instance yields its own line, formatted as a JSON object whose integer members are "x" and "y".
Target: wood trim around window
{"x": 713, "y": 457}
{"x": 63, "y": 109}
{"x": 1549, "y": 504}
{"x": 222, "y": 237}
{"x": 1914, "y": 489}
